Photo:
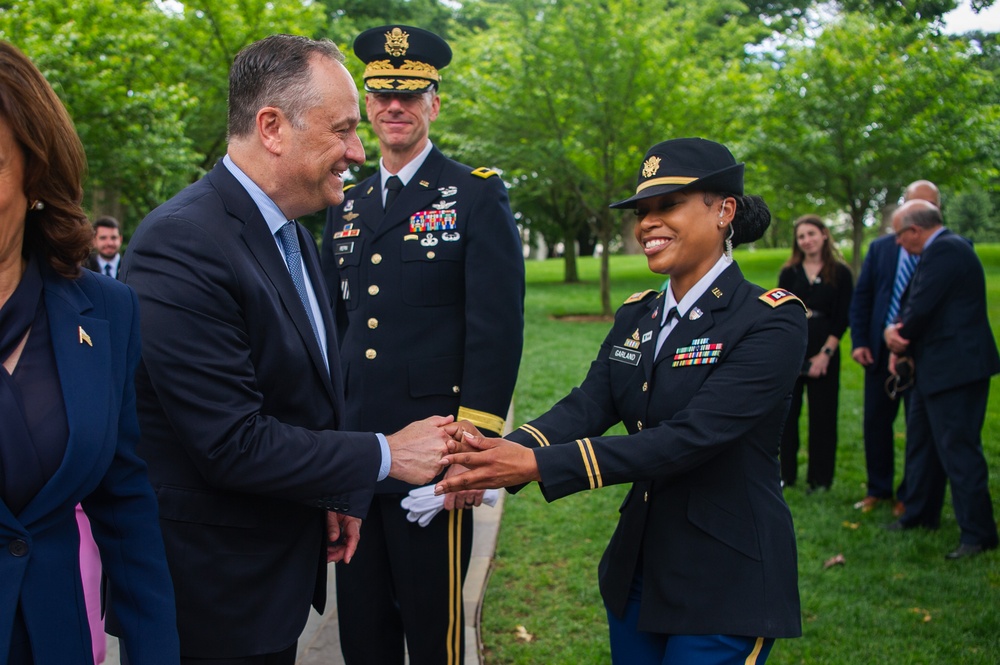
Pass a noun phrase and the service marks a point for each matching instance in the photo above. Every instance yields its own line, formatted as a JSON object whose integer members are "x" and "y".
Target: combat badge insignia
{"x": 429, "y": 240}
{"x": 451, "y": 237}
{"x": 650, "y": 167}
{"x": 700, "y": 352}
{"x": 444, "y": 205}
{"x": 633, "y": 341}
{"x": 351, "y": 216}
{"x": 448, "y": 191}
{"x": 776, "y": 297}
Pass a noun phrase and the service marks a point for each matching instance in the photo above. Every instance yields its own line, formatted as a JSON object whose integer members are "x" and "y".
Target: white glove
{"x": 423, "y": 505}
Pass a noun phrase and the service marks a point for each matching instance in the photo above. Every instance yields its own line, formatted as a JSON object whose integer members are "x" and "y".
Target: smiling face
{"x": 402, "y": 122}
{"x": 681, "y": 235}
{"x": 13, "y": 202}
{"x": 107, "y": 241}
{"x": 810, "y": 239}
{"x": 315, "y": 155}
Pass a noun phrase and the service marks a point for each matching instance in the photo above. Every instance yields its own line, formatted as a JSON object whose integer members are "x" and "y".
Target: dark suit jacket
{"x": 705, "y": 511}
{"x": 101, "y": 470}
{"x": 240, "y": 420}
{"x": 872, "y": 294}
{"x": 92, "y": 264}
{"x": 446, "y": 323}
{"x": 944, "y": 316}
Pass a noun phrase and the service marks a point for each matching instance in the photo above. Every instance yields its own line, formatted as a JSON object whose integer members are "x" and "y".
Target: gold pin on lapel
{"x": 84, "y": 337}
{"x": 424, "y": 183}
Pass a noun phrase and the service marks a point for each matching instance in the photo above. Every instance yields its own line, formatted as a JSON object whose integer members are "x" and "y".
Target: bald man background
{"x": 883, "y": 279}
{"x": 944, "y": 327}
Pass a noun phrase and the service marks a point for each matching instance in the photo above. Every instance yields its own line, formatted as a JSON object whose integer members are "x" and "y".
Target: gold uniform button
{"x": 370, "y": 354}
{"x": 373, "y": 290}
{"x": 341, "y": 262}
{"x": 639, "y": 425}
{"x": 431, "y": 255}
{"x": 456, "y": 389}
{"x": 376, "y": 259}
{"x": 645, "y": 386}
{"x": 373, "y": 323}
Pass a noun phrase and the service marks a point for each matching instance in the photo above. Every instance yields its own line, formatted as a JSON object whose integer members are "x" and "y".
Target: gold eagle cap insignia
{"x": 397, "y": 42}
{"x": 650, "y": 167}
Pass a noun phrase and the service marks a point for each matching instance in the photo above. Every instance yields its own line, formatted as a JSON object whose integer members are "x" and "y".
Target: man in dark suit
{"x": 945, "y": 327}
{"x": 240, "y": 393}
{"x": 431, "y": 276}
{"x": 107, "y": 242}
{"x": 884, "y": 276}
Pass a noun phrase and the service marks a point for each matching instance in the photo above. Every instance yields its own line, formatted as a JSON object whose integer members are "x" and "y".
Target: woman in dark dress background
{"x": 820, "y": 278}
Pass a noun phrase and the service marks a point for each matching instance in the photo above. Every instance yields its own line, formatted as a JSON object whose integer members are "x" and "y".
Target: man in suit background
{"x": 884, "y": 276}
{"x": 944, "y": 326}
{"x": 425, "y": 259}
{"x": 107, "y": 242}
{"x": 240, "y": 393}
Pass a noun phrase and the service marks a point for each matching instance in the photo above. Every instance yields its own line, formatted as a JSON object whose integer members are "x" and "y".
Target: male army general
{"x": 425, "y": 258}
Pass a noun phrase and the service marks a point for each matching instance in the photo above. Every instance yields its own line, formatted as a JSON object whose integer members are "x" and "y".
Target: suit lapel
{"x": 82, "y": 349}
{"x": 334, "y": 380}
{"x": 264, "y": 249}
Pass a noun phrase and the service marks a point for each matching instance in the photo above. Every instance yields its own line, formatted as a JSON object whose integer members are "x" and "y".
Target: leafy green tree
{"x": 972, "y": 214}
{"x": 567, "y": 96}
{"x": 852, "y": 118}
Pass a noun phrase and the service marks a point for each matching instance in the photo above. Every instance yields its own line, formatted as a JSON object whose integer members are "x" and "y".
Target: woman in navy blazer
{"x": 702, "y": 566}
{"x": 69, "y": 346}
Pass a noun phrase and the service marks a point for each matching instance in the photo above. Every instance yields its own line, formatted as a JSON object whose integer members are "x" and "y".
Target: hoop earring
{"x": 729, "y": 243}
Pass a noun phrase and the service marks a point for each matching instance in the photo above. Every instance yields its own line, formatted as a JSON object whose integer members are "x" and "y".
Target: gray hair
{"x": 275, "y": 71}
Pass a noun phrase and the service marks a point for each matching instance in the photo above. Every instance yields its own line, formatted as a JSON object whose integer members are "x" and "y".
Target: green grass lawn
{"x": 895, "y": 600}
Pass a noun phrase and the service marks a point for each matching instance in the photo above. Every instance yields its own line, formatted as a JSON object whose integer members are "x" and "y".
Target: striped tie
{"x": 293, "y": 260}
{"x": 903, "y": 273}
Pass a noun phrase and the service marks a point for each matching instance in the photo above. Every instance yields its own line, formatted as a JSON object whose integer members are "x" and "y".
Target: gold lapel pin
{"x": 84, "y": 337}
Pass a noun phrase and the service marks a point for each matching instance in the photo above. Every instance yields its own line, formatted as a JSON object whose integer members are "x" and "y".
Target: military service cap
{"x": 686, "y": 164}
{"x": 401, "y": 59}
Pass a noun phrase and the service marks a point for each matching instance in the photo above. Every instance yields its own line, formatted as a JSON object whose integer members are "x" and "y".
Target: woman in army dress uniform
{"x": 702, "y": 565}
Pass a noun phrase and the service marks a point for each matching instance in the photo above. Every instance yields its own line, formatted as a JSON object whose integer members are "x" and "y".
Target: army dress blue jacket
{"x": 705, "y": 523}
{"x": 432, "y": 293}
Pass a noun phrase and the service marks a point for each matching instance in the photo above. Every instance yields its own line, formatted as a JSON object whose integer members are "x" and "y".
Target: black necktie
{"x": 392, "y": 186}
{"x": 107, "y": 269}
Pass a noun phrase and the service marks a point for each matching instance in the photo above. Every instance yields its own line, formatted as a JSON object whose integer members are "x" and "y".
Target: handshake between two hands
{"x": 420, "y": 450}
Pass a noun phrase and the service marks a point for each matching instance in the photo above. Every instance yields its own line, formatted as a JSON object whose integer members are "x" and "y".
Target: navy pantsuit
{"x": 39, "y": 560}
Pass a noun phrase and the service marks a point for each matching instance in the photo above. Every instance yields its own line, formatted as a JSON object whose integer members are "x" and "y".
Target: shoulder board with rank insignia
{"x": 776, "y": 297}
{"x": 351, "y": 186}
{"x": 484, "y": 172}
{"x": 637, "y": 296}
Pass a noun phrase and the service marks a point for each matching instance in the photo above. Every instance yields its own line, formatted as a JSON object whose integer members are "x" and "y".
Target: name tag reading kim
{"x": 627, "y": 356}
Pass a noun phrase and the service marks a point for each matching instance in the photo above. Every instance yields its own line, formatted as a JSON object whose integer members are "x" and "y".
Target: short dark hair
{"x": 108, "y": 222}
{"x": 926, "y": 217}
{"x": 274, "y": 71}
{"x": 54, "y": 164}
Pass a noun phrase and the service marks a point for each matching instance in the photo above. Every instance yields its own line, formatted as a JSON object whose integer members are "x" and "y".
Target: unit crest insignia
{"x": 396, "y": 42}
{"x": 650, "y": 167}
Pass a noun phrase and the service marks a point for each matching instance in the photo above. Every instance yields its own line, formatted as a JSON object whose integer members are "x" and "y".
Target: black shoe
{"x": 965, "y": 550}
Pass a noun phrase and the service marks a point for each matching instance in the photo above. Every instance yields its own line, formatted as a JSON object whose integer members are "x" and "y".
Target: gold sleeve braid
{"x": 590, "y": 463}
{"x": 481, "y": 419}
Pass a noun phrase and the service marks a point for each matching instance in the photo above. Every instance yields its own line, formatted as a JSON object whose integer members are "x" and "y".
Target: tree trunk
{"x": 605, "y": 238}
{"x": 858, "y": 240}
{"x": 570, "y": 273}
